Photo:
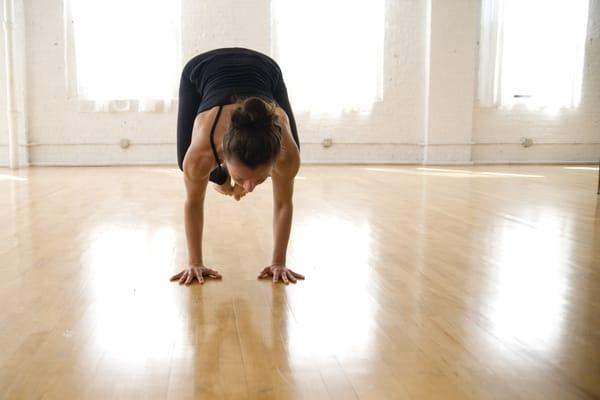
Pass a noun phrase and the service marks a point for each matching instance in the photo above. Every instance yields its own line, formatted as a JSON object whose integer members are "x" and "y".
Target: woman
{"x": 233, "y": 106}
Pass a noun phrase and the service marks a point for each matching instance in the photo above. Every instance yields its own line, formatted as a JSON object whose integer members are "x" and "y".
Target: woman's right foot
{"x": 225, "y": 188}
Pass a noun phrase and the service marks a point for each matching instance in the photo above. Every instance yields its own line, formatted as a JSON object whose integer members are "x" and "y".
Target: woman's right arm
{"x": 196, "y": 171}
{"x": 195, "y": 177}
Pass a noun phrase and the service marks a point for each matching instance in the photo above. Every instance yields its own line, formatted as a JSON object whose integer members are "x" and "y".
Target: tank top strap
{"x": 212, "y": 135}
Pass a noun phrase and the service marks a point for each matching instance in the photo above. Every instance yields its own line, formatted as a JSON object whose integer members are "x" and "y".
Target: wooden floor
{"x": 422, "y": 283}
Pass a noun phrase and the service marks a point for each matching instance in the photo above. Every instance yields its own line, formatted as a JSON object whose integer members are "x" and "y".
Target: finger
{"x": 297, "y": 275}
{"x": 183, "y": 277}
{"x": 264, "y": 273}
{"x": 291, "y": 276}
{"x": 176, "y": 276}
{"x": 284, "y": 277}
{"x": 190, "y": 278}
{"x": 198, "y": 273}
{"x": 275, "y": 275}
{"x": 213, "y": 273}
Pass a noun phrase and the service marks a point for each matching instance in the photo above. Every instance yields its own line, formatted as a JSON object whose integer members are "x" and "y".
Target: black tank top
{"x": 223, "y": 76}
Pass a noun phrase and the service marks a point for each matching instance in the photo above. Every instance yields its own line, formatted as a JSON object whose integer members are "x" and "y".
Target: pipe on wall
{"x": 12, "y": 106}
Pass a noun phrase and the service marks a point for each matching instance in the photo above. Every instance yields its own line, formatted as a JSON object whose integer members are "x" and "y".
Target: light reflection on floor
{"x": 531, "y": 282}
{"x": 133, "y": 322}
{"x": 583, "y": 168}
{"x": 11, "y": 178}
{"x": 452, "y": 173}
{"x": 342, "y": 248}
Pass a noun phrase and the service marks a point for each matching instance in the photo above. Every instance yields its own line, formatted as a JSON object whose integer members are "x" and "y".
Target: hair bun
{"x": 254, "y": 134}
{"x": 252, "y": 113}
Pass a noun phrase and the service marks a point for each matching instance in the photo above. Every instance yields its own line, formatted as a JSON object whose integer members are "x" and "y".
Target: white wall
{"x": 3, "y": 116}
{"x": 454, "y": 29}
{"x": 428, "y": 112}
{"x": 18, "y": 112}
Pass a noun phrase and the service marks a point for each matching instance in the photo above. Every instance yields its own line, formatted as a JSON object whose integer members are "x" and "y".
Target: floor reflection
{"x": 532, "y": 275}
{"x": 11, "y": 178}
{"x": 131, "y": 319}
{"x": 583, "y": 168}
{"x": 453, "y": 173}
{"x": 340, "y": 250}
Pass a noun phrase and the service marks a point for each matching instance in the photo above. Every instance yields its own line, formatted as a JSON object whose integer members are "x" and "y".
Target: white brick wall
{"x": 3, "y": 118}
{"x": 454, "y": 32}
{"x": 396, "y": 131}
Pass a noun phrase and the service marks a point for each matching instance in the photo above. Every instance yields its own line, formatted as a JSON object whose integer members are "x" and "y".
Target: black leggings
{"x": 189, "y": 101}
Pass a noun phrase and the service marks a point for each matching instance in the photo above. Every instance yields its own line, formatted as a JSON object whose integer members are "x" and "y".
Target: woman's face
{"x": 246, "y": 177}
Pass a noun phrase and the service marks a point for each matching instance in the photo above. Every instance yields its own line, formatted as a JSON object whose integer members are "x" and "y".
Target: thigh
{"x": 189, "y": 101}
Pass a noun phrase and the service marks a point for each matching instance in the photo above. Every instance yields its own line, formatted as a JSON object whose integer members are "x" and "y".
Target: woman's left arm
{"x": 283, "y": 210}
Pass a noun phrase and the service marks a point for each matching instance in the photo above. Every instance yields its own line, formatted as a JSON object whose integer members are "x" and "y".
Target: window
{"x": 532, "y": 52}
{"x": 330, "y": 52}
{"x": 124, "y": 50}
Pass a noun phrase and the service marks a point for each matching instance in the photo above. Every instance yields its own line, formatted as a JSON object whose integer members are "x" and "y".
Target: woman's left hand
{"x": 280, "y": 272}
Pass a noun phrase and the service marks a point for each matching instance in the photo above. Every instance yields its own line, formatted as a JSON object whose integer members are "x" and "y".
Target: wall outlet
{"x": 327, "y": 142}
{"x": 526, "y": 142}
{"x": 125, "y": 143}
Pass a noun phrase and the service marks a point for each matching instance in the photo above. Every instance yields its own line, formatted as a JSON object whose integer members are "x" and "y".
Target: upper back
{"x": 222, "y": 76}
{"x": 199, "y": 159}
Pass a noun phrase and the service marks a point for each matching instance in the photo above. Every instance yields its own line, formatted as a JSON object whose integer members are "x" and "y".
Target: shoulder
{"x": 199, "y": 159}
{"x": 288, "y": 162}
{"x": 203, "y": 125}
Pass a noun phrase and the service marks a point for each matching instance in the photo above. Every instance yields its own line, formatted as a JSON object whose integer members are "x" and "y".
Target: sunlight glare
{"x": 132, "y": 317}
{"x": 11, "y": 178}
{"x": 542, "y": 51}
{"x": 528, "y": 304}
{"x": 340, "y": 248}
{"x": 331, "y": 53}
{"x": 583, "y": 168}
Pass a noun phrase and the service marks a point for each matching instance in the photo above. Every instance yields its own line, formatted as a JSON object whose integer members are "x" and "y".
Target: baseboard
{"x": 547, "y": 153}
{"x": 315, "y": 153}
{"x": 5, "y": 159}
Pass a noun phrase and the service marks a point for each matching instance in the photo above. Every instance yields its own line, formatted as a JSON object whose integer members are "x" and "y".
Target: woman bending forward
{"x": 235, "y": 127}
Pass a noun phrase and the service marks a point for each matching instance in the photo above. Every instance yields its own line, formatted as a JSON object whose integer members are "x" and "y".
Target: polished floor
{"x": 421, "y": 283}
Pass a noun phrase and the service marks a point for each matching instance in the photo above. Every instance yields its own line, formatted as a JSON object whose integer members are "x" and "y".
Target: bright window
{"x": 330, "y": 52}
{"x": 532, "y": 52}
{"x": 125, "y": 49}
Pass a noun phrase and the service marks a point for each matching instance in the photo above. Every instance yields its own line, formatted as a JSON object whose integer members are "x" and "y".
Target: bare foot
{"x": 238, "y": 192}
{"x": 225, "y": 188}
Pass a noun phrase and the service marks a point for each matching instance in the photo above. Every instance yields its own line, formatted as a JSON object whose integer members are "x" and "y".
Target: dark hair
{"x": 254, "y": 135}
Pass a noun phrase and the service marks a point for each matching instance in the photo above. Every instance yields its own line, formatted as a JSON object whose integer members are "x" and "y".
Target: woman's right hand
{"x": 192, "y": 272}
